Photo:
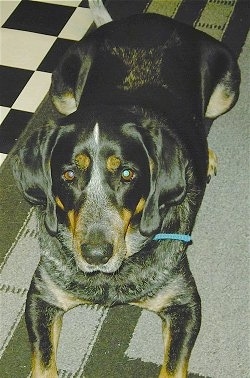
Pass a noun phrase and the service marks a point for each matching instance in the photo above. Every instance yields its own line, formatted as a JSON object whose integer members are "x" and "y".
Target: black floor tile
{"x": 84, "y": 4}
{"x": 11, "y": 128}
{"x": 39, "y": 17}
{"x": 54, "y": 55}
{"x": 13, "y": 80}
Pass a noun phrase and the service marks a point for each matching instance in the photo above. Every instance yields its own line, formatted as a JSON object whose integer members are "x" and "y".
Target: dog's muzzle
{"x": 97, "y": 254}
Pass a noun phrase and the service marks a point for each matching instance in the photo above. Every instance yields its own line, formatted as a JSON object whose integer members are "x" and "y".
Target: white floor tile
{"x": 3, "y": 113}
{"x": 2, "y": 158}
{"x": 69, "y": 3}
{"x": 24, "y": 49}
{"x": 6, "y": 8}
{"x": 77, "y": 25}
{"x": 34, "y": 92}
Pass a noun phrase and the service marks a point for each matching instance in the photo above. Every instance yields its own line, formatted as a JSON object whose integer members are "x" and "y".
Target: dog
{"x": 116, "y": 159}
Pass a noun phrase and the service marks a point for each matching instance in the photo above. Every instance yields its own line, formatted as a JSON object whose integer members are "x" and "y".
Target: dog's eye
{"x": 69, "y": 175}
{"x": 127, "y": 175}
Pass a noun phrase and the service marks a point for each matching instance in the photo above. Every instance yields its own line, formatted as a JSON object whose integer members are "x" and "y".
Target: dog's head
{"x": 107, "y": 181}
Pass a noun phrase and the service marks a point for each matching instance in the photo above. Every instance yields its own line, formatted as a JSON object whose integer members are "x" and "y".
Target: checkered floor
{"x": 34, "y": 35}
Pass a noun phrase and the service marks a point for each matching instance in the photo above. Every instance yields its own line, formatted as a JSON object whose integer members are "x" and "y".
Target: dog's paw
{"x": 212, "y": 165}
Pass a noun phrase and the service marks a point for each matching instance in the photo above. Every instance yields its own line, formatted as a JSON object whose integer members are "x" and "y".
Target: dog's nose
{"x": 97, "y": 254}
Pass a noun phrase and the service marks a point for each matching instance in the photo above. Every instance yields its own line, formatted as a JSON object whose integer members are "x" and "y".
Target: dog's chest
{"x": 131, "y": 284}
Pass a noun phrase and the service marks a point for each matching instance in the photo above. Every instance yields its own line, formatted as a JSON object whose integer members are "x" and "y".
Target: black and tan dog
{"x": 128, "y": 159}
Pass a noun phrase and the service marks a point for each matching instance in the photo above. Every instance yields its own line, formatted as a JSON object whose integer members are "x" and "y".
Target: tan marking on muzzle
{"x": 82, "y": 161}
{"x": 126, "y": 217}
{"x": 72, "y": 217}
{"x": 59, "y": 203}
{"x": 113, "y": 163}
{"x": 140, "y": 206}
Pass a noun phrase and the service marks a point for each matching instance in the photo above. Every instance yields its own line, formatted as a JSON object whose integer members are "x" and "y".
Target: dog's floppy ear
{"x": 31, "y": 168}
{"x": 69, "y": 78}
{"x": 168, "y": 183}
{"x": 220, "y": 79}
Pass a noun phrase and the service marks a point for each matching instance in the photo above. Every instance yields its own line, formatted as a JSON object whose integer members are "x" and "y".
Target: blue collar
{"x": 181, "y": 237}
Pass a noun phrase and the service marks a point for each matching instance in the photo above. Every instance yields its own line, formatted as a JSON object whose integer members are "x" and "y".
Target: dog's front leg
{"x": 181, "y": 324}
{"x": 181, "y": 319}
{"x": 44, "y": 325}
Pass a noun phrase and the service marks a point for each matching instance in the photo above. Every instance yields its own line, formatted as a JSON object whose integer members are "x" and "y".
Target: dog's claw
{"x": 212, "y": 165}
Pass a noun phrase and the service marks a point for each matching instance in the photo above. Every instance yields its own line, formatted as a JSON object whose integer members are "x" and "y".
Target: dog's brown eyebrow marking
{"x": 113, "y": 163}
{"x": 82, "y": 161}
